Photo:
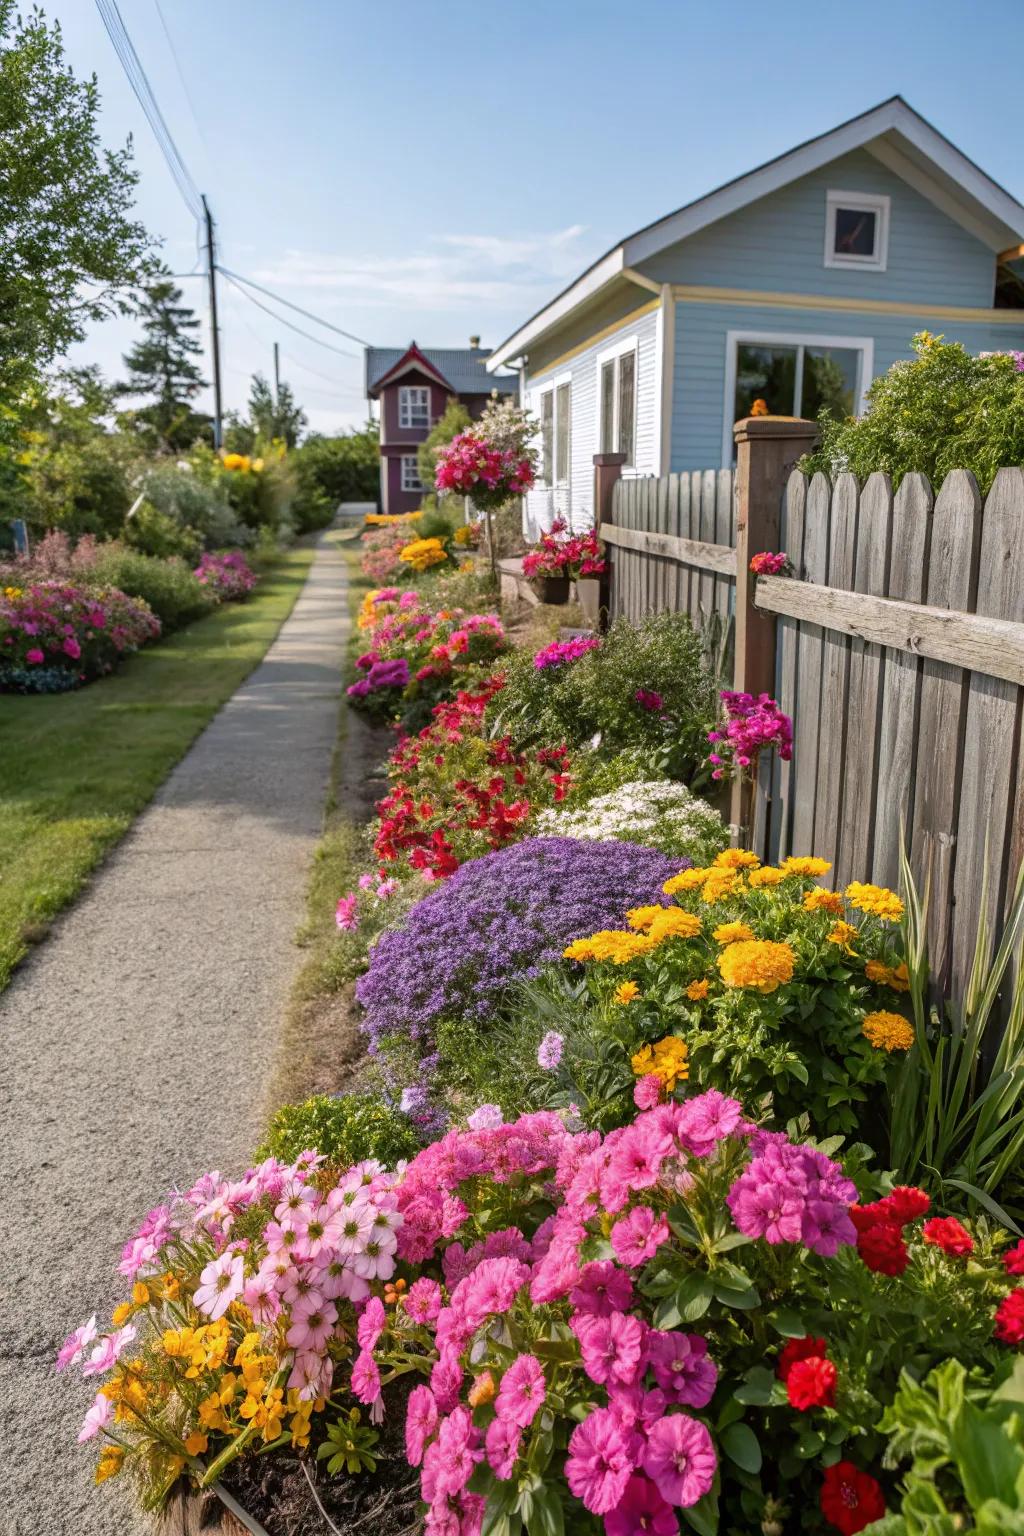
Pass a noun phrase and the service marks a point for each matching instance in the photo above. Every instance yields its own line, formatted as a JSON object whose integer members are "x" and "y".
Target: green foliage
{"x": 152, "y": 532}
{"x": 73, "y": 473}
{"x": 168, "y": 586}
{"x": 943, "y": 410}
{"x": 455, "y": 420}
{"x": 192, "y": 495}
{"x": 335, "y": 469}
{"x": 161, "y": 365}
{"x": 279, "y": 420}
{"x": 349, "y": 1445}
{"x": 345, "y": 1129}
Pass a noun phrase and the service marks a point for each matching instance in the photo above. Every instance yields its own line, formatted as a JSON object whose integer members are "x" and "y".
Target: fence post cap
{"x": 601, "y": 459}
{"x": 750, "y": 428}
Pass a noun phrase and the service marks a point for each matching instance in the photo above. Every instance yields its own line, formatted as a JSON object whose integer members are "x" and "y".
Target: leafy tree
{"x": 162, "y": 365}
{"x": 76, "y": 474}
{"x": 280, "y": 420}
{"x": 455, "y": 420}
{"x": 341, "y": 468}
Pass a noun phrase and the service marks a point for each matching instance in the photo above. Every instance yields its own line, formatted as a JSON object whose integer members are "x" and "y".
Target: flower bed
{"x": 229, "y": 575}
{"x": 660, "y": 815}
{"x": 419, "y": 654}
{"x": 56, "y": 635}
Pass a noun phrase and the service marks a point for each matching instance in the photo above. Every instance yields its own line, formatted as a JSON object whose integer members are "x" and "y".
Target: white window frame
{"x": 860, "y": 202}
{"x": 406, "y": 459}
{"x": 551, "y": 387}
{"x": 407, "y": 404}
{"x": 612, "y": 354}
{"x": 865, "y": 345}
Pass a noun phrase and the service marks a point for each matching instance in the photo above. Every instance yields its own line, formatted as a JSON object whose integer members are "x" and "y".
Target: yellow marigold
{"x": 736, "y": 858}
{"x": 196, "y": 1443}
{"x": 876, "y": 900}
{"x": 12, "y": 592}
{"x": 843, "y": 934}
{"x": 766, "y": 875}
{"x": 666, "y": 1060}
{"x": 756, "y": 963}
{"x": 673, "y": 923}
{"x": 807, "y": 867}
{"x": 421, "y": 554}
{"x": 616, "y": 945}
{"x": 719, "y": 884}
{"x": 626, "y": 992}
{"x": 888, "y": 1031}
{"x": 732, "y": 933}
{"x": 121, "y": 1314}
{"x": 896, "y": 976}
{"x": 110, "y": 1462}
{"x": 643, "y": 917}
{"x": 686, "y": 880}
{"x": 824, "y": 901}
{"x": 237, "y": 461}
{"x": 140, "y": 1294}
{"x": 697, "y": 991}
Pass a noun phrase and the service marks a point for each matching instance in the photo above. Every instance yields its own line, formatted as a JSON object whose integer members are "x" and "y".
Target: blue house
{"x": 795, "y": 284}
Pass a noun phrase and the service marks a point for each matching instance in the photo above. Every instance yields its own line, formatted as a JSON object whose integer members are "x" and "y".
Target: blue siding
{"x": 777, "y": 244}
{"x": 699, "y": 381}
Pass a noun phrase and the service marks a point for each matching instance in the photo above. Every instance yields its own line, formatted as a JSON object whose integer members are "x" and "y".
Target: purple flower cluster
{"x": 561, "y": 651}
{"x": 793, "y": 1194}
{"x": 498, "y": 920}
{"x": 229, "y": 575}
{"x": 381, "y": 674}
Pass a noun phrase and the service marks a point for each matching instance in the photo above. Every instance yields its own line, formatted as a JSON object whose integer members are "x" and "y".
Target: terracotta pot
{"x": 588, "y": 595}
{"x": 552, "y": 589}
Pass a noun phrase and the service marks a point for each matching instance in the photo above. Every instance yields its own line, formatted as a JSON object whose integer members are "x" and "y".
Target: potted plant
{"x": 562, "y": 558}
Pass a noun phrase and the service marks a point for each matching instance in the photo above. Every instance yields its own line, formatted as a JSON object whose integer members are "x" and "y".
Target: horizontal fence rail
{"x": 674, "y": 540}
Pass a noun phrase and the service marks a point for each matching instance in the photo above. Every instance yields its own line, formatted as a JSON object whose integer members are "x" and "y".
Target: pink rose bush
{"x": 228, "y": 575}
{"x": 55, "y": 635}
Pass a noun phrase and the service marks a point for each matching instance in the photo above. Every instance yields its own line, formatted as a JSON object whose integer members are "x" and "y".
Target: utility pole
{"x": 211, "y": 267}
{"x": 277, "y": 376}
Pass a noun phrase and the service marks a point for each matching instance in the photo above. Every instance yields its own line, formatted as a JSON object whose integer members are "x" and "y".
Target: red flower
{"x": 1013, "y": 1259}
{"x": 811, "y": 1383}
{"x": 945, "y": 1232}
{"x": 882, "y": 1249}
{"x": 906, "y": 1204}
{"x": 850, "y": 1498}
{"x": 798, "y": 1349}
{"x": 1010, "y": 1318}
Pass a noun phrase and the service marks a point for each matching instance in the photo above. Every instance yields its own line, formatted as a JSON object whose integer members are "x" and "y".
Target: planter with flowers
{"x": 561, "y": 558}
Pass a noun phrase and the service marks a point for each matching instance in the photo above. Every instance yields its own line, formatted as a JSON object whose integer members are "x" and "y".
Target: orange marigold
{"x": 673, "y": 923}
{"x": 843, "y": 934}
{"x": 895, "y": 976}
{"x": 732, "y": 933}
{"x": 686, "y": 880}
{"x": 756, "y": 963}
{"x": 824, "y": 901}
{"x": 697, "y": 991}
{"x": 626, "y": 992}
{"x": 806, "y": 866}
{"x": 888, "y": 1031}
{"x": 736, "y": 858}
{"x": 719, "y": 884}
{"x": 766, "y": 875}
{"x": 875, "y": 899}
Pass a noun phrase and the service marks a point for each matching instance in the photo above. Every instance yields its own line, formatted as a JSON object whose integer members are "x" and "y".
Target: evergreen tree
{"x": 274, "y": 420}
{"x": 162, "y": 367}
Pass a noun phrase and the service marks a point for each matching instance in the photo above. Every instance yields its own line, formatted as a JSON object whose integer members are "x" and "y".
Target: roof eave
{"x": 596, "y": 277}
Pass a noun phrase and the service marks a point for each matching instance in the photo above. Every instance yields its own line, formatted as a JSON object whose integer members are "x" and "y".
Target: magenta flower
{"x": 423, "y": 1300}
{"x": 34, "y": 656}
{"x": 641, "y": 1512}
{"x": 649, "y": 700}
{"x": 681, "y": 1367}
{"x": 371, "y": 1323}
{"x": 602, "y": 1289}
{"x": 638, "y": 1236}
{"x": 365, "y": 1378}
{"x": 421, "y": 1418}
{"x": 612, "y": 1347}
{"x": 501, "y": 1443}
{"x": 345, "y": 912}
{"x": 99, "y": 1416}
{"x": 680, "y": 1459}
{"x": 521, "y": 1392}
{"x": 599, "y": 1465}
{"x": 454, "y": 1453}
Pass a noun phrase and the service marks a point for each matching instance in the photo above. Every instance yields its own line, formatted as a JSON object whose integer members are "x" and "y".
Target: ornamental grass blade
{"x": 992, "y": 1206}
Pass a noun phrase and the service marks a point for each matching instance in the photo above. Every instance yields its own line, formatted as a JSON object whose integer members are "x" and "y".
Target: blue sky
{"x": 438, "y": 168}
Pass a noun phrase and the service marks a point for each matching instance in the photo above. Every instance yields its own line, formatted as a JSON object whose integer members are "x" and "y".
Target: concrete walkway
{"x": 136, "y": 1044}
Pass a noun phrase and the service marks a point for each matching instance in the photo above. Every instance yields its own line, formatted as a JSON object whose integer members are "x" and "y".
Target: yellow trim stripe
{"x": 694, "y": 294}
{"x": 609, "y": 330}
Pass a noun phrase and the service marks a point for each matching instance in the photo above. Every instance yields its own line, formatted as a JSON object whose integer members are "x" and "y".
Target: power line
{"x": 297, "y": 307}
{"x": 184, "y": 82}
{"x": 137, "y": 79}
{"x": 280, "y": 318}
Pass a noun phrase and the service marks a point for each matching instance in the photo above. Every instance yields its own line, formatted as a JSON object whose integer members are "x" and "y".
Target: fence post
{"x": 607, "y": 473}
{"x": 767, "y": 448}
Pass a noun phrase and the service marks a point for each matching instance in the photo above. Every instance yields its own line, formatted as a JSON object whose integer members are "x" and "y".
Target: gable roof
{"x": 893, "y": 132}
{"x": 460, "y": 369}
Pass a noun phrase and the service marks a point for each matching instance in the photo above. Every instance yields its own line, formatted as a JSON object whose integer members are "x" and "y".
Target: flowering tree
{"x": 491, "y": 461}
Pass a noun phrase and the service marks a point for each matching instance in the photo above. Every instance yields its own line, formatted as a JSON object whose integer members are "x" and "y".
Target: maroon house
{"x": 413, "y": 388}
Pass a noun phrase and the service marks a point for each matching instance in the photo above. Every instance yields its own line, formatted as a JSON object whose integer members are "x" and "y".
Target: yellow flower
{"x": 196, "y": 1443}
{"x": 686, "y": 880}
{"x": 237, "y": 461}
{"x": 768, "y": 875}
{"x": 616, "y": 945}
{"x": 665, "y": 1060}
{"x": 643, "y": 917}
{"x": 807, "y": 867}
{"x": 110, "y": 1462}
{"x": 719, "y": 884}
{"x": 843, "y": 934}
{"x": 732, "y": 933}
{"x": 140, "y": 1294}
{"x": 876, "y": 900}
{"x": 697, "y": 991}
{"x": 673, "y": 923}
{"x": 626, "y": 992}
{"x": 12, "y": 592}
{"x": 756, "y": 963}
{"x": 421, "y": 554}
{"x": 896, "y": 977}
{"x": 483, "y": 1390}
{"x": 736, "y": 858}
{"x": 823, "y": 901}
{"x": 888, "y": 1031}
{"x": 121, "y": 1314}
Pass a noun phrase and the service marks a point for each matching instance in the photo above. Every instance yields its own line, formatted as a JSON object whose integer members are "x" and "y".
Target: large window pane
{"x": 627, "y": 404}
{"x": 830, "y": 382}
{"x": 608, "y": 407}
{"x": 765, "y": 373}
{"x": 562, "y": 434}
{"x": 546, "y": 424}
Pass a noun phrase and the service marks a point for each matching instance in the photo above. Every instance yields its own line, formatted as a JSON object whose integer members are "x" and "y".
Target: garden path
{"x": 138, "y": 1041}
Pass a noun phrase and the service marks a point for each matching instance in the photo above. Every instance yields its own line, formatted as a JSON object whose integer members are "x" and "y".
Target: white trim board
{"x": 861, "y": 202}
{"x": 865, "y": 345}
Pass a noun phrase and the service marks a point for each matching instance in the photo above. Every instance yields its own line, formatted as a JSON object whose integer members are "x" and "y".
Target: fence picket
{"x": 787, "y": 632}
{"x": 835, "y": 675}
{"x": 864, "y": 695}
{"x": 901, "y": 683}
{"x": 952, "y": 563}
{"x": 661, "y": 602}
{"x": 708, "y": 493}
{"x": 810, "y": 655}
{"x": 723, "y": 526}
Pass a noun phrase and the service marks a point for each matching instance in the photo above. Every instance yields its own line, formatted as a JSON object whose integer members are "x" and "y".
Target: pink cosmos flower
{"x": 313, "y": 1321}
{"x": 602, "y": 1289}
{"x": 99, "y": 1416}
{"x": 521, "y": 1392}
{"x": 75, "y": 1345}
{"x": 220, "y": 1283}
{"x": 681, "y": 1366}
{"x": 311, "y": 1376}
{"x": 502, "y": 1443}
{"x": 420, "y": 1423}
{"x": 423, "y": 1301}
{"x": 260, "y": 1296}
{"x": 612, "y": 1347}
{"x": 598, "y": 1466}
{"x": 638, "y": 1236}
{"x": 345, "y": 912}
{"x": 647, "y": 1091}
{"x": 641, "y": 1512}
{"x": 109, "y": 1350}
{"x": 680, "y": 1459}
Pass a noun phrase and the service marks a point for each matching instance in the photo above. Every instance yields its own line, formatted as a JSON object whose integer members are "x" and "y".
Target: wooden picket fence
{"x": 897, "y": 648}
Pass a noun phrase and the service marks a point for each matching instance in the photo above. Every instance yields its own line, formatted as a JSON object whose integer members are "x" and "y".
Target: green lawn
{"x": 76, "y": 768}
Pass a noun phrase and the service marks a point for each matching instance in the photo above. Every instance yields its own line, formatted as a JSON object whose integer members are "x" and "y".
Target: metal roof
{"x": 463, "y": 368}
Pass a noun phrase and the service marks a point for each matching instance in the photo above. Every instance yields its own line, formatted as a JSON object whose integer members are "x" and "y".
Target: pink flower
{"x": 602, "y": 1289}
{"x": 502, "y": 1443}
{"x": 598, "y": 1466}
{"x": 220, "y": 1284}
{"x": 649, "y": 700}
{"x": 453, "y": 1455}
{"x": 647, "y": 1091}
{"x": 313, "y": 1321}
{"x": 99, "y": 1416}
{"x": 371, "y": 1323}
{"x": 71, "y": 648}
{"x": 487, "y": 1118}
{"x": 423, "y": 1301}
{"x": 521, "y": 1392}
{"x": 681, "y": 1366}
{"x": 446, "y": 1379}
{"x": 345, "y": 912}
{"x": 109, "y": 1350}
{"x": 612, "y": 1347}
{"x": 680, "y": 1459}
{"x": 75, "y": 1345}
{"x": 365, "y": 1378}
{"x": 420, "y": 1423}
{"x": 638, "y": 1236}
{"x": 34, "y": 656}
{"x": 641, "y": 1512}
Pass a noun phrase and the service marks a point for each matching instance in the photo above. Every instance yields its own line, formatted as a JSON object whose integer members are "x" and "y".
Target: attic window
{"x": 856, "y": 231}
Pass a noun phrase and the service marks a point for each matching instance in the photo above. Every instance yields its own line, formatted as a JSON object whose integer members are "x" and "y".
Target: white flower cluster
{"x": 661, "y": 814}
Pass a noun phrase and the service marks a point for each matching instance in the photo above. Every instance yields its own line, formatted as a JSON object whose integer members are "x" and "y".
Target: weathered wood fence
{"x": 897, "y": 647}
{"x": 674, "y": 541}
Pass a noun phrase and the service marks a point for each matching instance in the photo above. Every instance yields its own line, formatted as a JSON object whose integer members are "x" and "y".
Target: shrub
{"x": 341, "y": 468}
{"x": 944, "y": 409}
{"x": 661, "y": 815}
{"x": 167, "y": 586}
{"x": 344, "y": 1128}
{"x": 228, "y": 576}
{"x": 55, "y": 635}
{"x": 155, "y": 533}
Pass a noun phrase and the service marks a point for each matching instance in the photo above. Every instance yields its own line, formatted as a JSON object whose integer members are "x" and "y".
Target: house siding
{"x": 777, "y": 244}
{"x": 575, "y": 502}
{"x": 698, "y": 396}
